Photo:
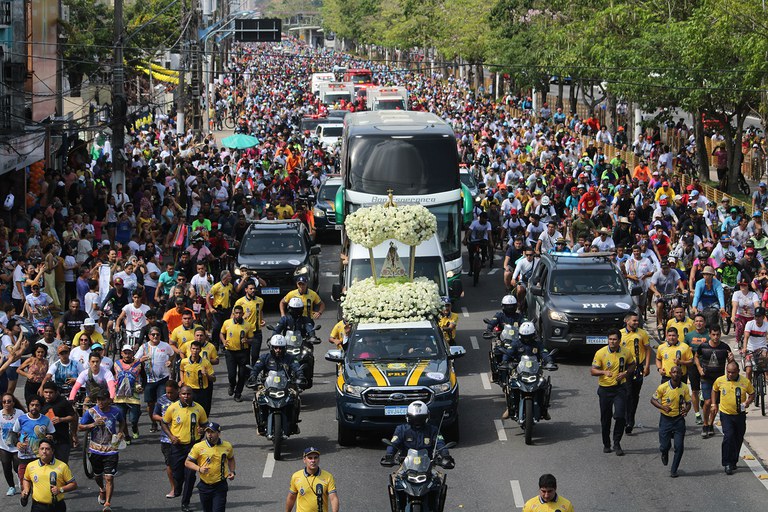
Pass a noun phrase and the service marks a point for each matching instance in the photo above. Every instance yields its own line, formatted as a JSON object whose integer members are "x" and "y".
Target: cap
{"x": 89, "y": 322}
{"x": 180, "y": 300}
{"x": 623, "y": 220}
{"x": 762, "y": 184}
{"x": 105, "y": 242}
{"x": 310, "y": 450}
{"x": 664, "y": 183}
{"x": 212, "y": 425}
{"x": 605, "y": 231}
{"x": 665, "y": 263}
{"x": 560, "y": 240}
{"x": 301, "y": 279}
{"x": 657, "y": 224}
{"x": 757, "y": 214}
{"x": 749, "y": 250}
{"x": 126, "y": 348}
{"x": 760, "y": 311}
{"x": 708, "y": 270}
{"x": 733, "y": 210}
{"x": 118, "y": 280}
{"x": 63, "y": 348}
{"x": 700, "y": 210}
{"x": 513, "y": 211}
{"x": 97, "y": 346}
{"x": 725, "y": 200}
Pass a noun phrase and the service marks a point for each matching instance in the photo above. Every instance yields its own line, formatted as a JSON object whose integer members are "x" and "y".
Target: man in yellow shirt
{"x": 732, "y": 394}
{"x": 635, "y": 340}
{"x": 304, "y": 486}
{"x": 219, "y": 303}
{"x": 236, "y": 337}
{"x": 182, "y": 424}
{"x": 39, "y": 483}
{"x": 252, "y": 306}
{"x": 548, "y": 500}
{"x": 340, "y": 333}
{"x": 283, "y": 209}
{"x": 183, "y": 333}
{"x": 197, "y": 373}
{"x": 612, "y": 365}
{"x": 208, "y": 351}
{"x": 214, "y": 460}
{"x": 673, "y": 399}
{"x": 682, "y": 324}
{"x": 448, "y": 321}
{"x": 313, "y": 306}
{"x": 673, "y": 353}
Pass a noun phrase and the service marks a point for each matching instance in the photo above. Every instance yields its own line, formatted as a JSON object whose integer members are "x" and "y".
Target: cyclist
{"x": 479, "y": 234}
{"x": 743, "y": 305}
{"x": 448, "y": 321}
{"x": 521, "y": 275}
{"x": 133, "y": 318}
{"x": 708, "y": 295}
{"x": 663, "y": 283}
{"x": 755, "y": 341}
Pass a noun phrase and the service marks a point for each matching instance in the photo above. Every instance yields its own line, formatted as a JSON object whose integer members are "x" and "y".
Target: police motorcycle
{"x": 526, "y": 391}
{"x": 418, "y": 485}
{"x": 277, "y": 401}
{"x": 302, "y": 349}
{"x": 502, "y": 337}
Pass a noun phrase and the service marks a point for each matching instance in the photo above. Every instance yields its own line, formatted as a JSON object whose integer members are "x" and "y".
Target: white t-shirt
{"x": 91, "y": 300}
{"x": 130, "y": 281}
{"x": 148, "y": 281}
{"x": 756, "y": 334}
{"x": 478, "y": 231}
{"x": 103, "y": 378}
{"x": 135, "y": 318}
{"x": 6, "y": 424}
{"x": 745, "y": 304}
{"x": 80, "y": 356}
{"x": 604, "y": 245}
{"x": 158, "y": 355}
{"x": 18, "y": 276}
{"x": 8, "y": 342}
{"x": 202, "y": 285}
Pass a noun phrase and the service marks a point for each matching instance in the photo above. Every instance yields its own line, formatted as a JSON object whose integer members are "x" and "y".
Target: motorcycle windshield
{"x": 276, "y": 380}
{"x": 528, "y": 364}
{"x": 417, "y": 460}
{"x": 294, "y": 339}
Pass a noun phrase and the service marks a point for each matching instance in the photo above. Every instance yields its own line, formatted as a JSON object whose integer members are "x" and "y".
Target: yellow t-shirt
{"x": 559, "y": 504}
{"x": 616, "y": 362}
{"x": 673, "y": 397}
{"x": 208, "y": 352}
{"x": 305, "y": 485}
{"x": 252, "y": 310}
{"x": 39, "y": 475}
{"x": 96, "y": 337}
{"x": 284, "y": 212}
{"x": 214, "y": 458}
{"x": 179, "y": 420}
{"x": 727, "y": 391}
{"x": 636, "y": 342}
{"x": 443, "y": 323}
{"x": 222, "y": 295}
{"x": 338, "y": 330}
{"x": 309, "y": 299}
{"x": 180, "y": 335}
{"x": 195, "y": 375}
{"x": 235, "y": 335}
{"x": 667, "y": 355}
{"x": 682, "y": 328}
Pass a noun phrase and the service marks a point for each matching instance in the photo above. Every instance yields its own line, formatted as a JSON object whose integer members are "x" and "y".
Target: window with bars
{"x": 5, "y": 111}
{"x": 5, "y": 13}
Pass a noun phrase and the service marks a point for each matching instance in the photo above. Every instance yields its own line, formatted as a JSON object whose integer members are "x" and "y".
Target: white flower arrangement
{"x": 391, "y": 302}
{"x": 410, "y": 224}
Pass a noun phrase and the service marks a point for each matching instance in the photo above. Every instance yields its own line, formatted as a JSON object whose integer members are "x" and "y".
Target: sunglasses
{"x": 154, "y": 334}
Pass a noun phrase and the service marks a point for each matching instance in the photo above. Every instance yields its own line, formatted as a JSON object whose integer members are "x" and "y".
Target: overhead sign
{"x": 263, "y": 30}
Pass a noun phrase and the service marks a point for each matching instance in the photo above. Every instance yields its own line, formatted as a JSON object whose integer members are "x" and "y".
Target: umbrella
{"x": 240, "y": 141}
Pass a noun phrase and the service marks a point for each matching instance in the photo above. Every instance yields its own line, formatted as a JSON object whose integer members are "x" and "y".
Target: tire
{"x": 416, "y": 507}
{"x": 477, "y": 264}
{"x": 87, "y": 468}
{"x": 345, "y": 436}
{"x": 743, "y": 185}
{"x": 277, "y": 434}
{"x": 727, "y": 326}
{"x": 761, "y": 393}
{"x": 528, "y": 426}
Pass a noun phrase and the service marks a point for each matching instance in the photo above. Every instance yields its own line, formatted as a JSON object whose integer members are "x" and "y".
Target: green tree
{"x": 152, "y": 26}
{"x": 89, "y": 40}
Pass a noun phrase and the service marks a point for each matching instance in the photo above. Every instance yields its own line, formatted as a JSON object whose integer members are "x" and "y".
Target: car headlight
{"x": 443, "y": 387}
{"x": 353, "y": 390}
{"x": 318, "y": 212}
{"x": 558, "y": 316}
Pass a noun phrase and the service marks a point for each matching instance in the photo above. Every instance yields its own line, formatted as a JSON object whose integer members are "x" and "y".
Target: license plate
{"x": 338, "y": 227}
{"x": 274, "y": 290}
{"x": 597, "y": 340}
{"x": 395, "y": 410}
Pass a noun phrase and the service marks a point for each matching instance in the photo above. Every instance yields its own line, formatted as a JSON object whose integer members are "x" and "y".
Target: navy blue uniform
{"x": 268, "y": 362}
{"x": 407, "y": 437}
{"x": 499, "y": 319}
{"x": 303, "y": 324}
{"x": 520, "y": 349}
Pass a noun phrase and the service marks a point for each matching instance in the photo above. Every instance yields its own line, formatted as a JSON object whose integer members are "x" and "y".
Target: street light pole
{"x": 119, "y": 103}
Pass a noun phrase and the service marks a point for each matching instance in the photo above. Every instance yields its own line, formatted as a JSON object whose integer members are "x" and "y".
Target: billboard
{"x": 263, "y": 30}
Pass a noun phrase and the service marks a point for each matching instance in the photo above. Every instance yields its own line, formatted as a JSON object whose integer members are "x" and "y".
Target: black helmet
{"x": 730, "y": 256}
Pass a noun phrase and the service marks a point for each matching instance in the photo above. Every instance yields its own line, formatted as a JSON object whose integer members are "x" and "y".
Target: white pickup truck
{"x": 387, "y": 98}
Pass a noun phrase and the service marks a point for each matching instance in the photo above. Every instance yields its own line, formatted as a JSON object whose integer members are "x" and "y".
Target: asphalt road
{"x": 495, "y": 471}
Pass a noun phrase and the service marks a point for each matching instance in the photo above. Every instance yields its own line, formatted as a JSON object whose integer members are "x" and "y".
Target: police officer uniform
{"x": 182, "y": 421}
{"x": 732, "y": 397}
{"x": 612, "y": 392}
{"x": 213, "y": 486}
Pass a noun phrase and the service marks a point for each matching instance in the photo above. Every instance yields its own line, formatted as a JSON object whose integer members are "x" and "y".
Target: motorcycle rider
{"x": 417, "y": 434}
{"x": 296, "y": 321}
{"x": 527, "y": 344}
{"x": 276, "y": 359}
{"x": 507, "y": 315}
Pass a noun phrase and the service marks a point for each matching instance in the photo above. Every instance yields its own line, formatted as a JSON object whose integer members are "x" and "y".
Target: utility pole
{"x": 195, "y": 68}
{"x": 181, "y": 95}
{"x": 119, "y": 103}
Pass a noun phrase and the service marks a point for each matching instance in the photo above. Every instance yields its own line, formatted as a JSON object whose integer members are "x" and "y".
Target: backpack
{"x": 9, "y": 201}
{"x": 126, "y": 379}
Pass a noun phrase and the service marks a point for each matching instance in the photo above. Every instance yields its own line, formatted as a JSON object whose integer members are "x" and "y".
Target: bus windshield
{"x": 407, "y": 165}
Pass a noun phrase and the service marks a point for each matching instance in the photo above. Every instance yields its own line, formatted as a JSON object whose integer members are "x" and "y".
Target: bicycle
{"x": 725, "y": 320}
{"x": 230, "y": 121}
{"x": 665, "y": 305}
{"x": 476, "y": 259}
{"x": 759, "y": 367}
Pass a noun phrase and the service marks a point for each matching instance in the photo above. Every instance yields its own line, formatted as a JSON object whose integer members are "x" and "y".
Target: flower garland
{"x": 365, "y": 301}
{"x": 410, "y": 224}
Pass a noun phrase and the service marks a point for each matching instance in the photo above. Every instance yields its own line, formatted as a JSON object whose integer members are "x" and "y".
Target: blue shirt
{"x": 160, "y": 406}
{"x": 704, "y": 297}
{"x": 32, "y": 431}
{"x": 101, "y": 436}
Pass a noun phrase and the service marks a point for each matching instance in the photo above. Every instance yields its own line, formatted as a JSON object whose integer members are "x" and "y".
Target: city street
{"x": 495, "y": 471}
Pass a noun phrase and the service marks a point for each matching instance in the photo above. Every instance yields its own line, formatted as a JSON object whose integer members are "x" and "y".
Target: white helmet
{"x": 296, "y": 307}
{"x": 545, "y": 201}
{"x": 417, "y": 414}
{"x": 508, "y": 300}
{"x": 527, "y": 332}
{"x": 278, "y": 340}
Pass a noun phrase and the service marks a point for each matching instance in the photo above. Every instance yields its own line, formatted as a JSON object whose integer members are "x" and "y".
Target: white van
{"x": 429, "y": 263}
{"x": 318, "y": 78}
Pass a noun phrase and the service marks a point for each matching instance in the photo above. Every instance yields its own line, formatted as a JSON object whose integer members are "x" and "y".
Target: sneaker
{"x": 607, "y": 449}
{"x": 11, "y": 491}
{"x": 628, "y": 430}
{"x": 231, "y": 391}
{"x": 128, "y": 441}
{"x": 705, "y": 432}
{"x": 712, "y": 430}
{"x": 651, "y": 311}
{"x": 135, "y": 435}
{"x": 674, "y": 474}
{"x": 618, "y": 450}
{"x": 505, "y": 414}
{"x": 728, "y": 470}
{"x": 665, "y": 458}
{"x": 546, "y": 416}
{"x": 238, "y": 398}
{"x": 699, "y": 419}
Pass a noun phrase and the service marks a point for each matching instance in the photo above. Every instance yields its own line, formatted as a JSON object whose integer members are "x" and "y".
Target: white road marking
{"x": 269, "y": 467}
{"x": 752, "y": 462}
{"x": 330, "y": 274}
{"x": 486, "y": 380}
{"x": 500, "y": 431}
{"x": 475, "y": 344}
{"x": 465, "y": 311}
{"x": 517, "y": 493}
{"x": 492, "y": 271}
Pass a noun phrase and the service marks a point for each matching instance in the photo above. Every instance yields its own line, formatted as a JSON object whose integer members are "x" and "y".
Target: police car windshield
{"x": 272, "y": 243}
{"x": 399, "y": 345}
{"x": 577, "y": 282}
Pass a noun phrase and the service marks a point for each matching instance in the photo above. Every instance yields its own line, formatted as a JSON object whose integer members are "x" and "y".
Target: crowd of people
{"x": 133, "y": 293}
